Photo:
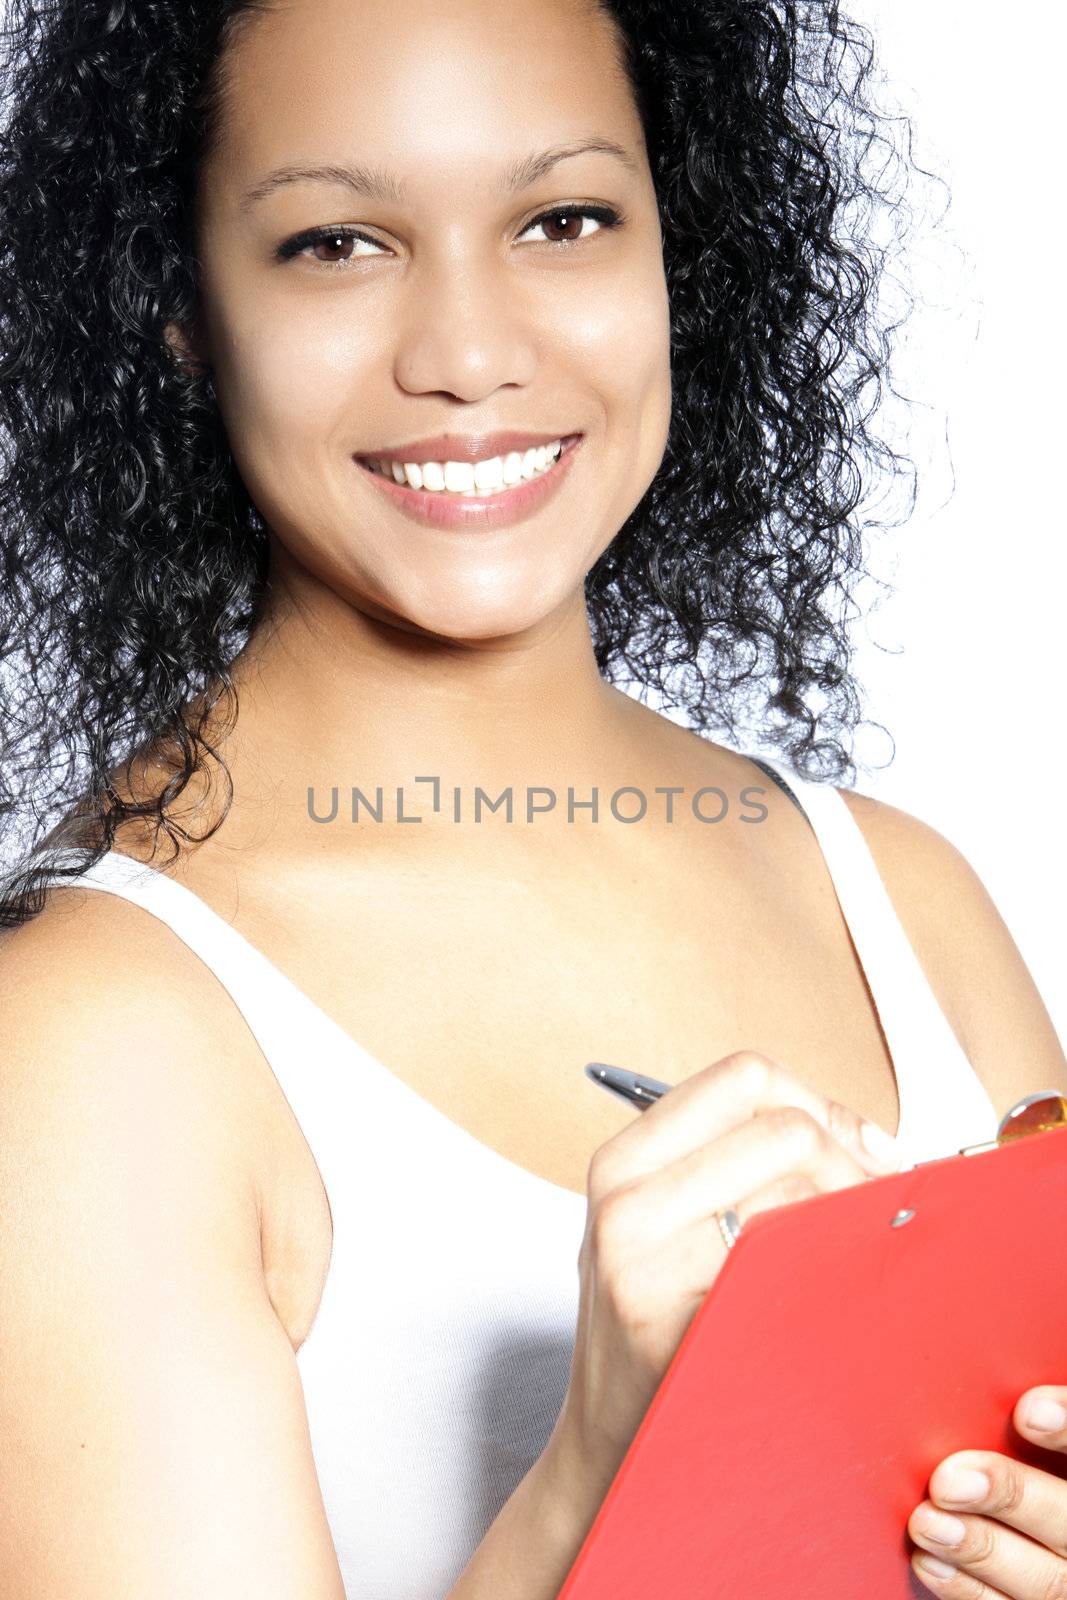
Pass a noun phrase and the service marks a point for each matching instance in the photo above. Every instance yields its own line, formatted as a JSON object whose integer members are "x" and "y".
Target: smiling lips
{"x": 451, "y": 482}
{"x": 465, "y": 477}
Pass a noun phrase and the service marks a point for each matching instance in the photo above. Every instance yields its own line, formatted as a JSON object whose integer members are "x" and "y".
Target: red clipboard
{"x": 843, "y": 1351}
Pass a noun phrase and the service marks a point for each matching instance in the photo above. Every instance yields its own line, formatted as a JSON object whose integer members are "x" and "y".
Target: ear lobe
{"x": 185, "y": 349}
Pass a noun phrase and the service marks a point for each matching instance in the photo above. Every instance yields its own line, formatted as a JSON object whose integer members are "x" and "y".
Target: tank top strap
{"x": 915, "y": 1027}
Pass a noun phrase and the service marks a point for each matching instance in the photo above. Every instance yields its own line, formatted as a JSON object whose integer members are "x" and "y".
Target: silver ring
{"x": 729, "y": 1225}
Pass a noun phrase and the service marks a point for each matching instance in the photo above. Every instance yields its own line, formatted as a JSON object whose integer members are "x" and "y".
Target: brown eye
{"x": 329, "y": 247}
{"x": 332, "y": 244}
{"x": 568, "y": 224}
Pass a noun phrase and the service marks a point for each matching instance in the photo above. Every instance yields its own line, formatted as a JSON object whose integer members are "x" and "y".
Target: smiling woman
{"x": 406, "y": 292}
{"x": 383, "y": 388}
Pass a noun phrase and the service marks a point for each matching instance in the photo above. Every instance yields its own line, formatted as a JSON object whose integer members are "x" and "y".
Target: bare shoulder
{"x": 155, "y": 1432}
{"x": 966, "y": 950}
{"x": 98, "y": 980}
{"x": 100, "y": 997}
{"x": 103, "y": 1043}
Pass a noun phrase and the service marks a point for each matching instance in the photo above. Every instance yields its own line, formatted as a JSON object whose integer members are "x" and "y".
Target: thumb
{"x": 1041, "y": 1415}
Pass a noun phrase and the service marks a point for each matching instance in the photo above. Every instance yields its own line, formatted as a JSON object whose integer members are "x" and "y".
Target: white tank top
{"x": 440, "y": 1354}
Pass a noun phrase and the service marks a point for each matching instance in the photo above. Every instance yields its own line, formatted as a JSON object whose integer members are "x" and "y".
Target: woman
{"x": 396, "y": 376}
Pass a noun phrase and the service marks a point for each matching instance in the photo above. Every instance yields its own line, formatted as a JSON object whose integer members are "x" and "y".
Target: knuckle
{"x": 800, "y": 1186}
{"x": 608, "y": 1226}
{"x": 611, "y": 1167}
{"x": 1055, "y": 1583}
{"x": 599, "y": 1176}
{"x": 798, "y": 1130}
{"x": 623, "y": 1292}
{"x": 980, "y": 1541}
{"x": 794, "y": 1186}
{"x": 1009, "y": 1488}
{"x": 614, "y": 1251}
{"x": 780, "y": 1121}
{"x": 621, "y": 1287}
{"x": 751, "y": 1071}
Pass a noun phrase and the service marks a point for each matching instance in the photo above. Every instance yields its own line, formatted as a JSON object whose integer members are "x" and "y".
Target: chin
{"x": 465, "y": 616}
{"x": 471, "y": 625}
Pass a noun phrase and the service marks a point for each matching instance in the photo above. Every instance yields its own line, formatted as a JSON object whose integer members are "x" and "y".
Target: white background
{"x": 973, "y": 690}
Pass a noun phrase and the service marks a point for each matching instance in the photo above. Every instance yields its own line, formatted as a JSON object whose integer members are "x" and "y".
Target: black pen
{"x": 640, "y": 1092}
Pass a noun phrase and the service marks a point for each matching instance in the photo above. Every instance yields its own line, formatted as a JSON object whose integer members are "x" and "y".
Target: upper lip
{"x": 451, "y": 447}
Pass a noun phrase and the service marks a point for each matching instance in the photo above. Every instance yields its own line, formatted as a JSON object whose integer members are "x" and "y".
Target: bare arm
{"x": 155, "y": 1437}
{"x": 535, "y": 1540}
{"x": 966, "y": 949}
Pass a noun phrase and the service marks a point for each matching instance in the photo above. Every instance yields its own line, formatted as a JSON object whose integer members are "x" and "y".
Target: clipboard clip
{"x": 1034, "y": 1113}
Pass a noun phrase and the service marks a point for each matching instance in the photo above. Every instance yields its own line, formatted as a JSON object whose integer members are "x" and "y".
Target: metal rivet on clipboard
{"x": 1035, "y": 1113}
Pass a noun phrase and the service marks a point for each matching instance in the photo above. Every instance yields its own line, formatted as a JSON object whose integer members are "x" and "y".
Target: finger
{"x": 719, "y": 1097}
{"x": 940, "y": 1577}
{"x": 985, "y": 1559}
{"x": 1018, "y": 1497}
{"x": 1041, "y": 1415}
{"x": 1016, "y": 1494}
{"x": 764, "y": 1151}
{"x": 702, "y": 1248}
{"x": 690, "y": 1257}
{"x": 1008, "y": 1535}
{"x": 781, "y": 1192}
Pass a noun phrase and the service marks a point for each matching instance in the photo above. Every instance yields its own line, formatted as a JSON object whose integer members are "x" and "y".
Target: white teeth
{"x": 489, "y": 474}
{"x": 467, "y": 478}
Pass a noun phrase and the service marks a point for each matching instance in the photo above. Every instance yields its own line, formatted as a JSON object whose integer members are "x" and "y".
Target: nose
{"x": 465, "y": 333}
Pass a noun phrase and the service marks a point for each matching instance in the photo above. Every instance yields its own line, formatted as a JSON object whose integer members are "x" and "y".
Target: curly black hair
{"x": 135, "y": 565}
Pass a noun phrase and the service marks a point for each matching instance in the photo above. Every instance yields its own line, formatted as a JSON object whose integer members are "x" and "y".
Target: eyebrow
{"x": 380, "y": 185}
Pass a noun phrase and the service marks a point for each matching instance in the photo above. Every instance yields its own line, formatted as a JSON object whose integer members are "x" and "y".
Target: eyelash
{"x": 607, "y": 216}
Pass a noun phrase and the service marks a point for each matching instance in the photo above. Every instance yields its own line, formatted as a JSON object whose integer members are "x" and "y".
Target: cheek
{"x": 621, "y": 334}
{"x": 620, "y": 344}
{"x": 287, "y": 386}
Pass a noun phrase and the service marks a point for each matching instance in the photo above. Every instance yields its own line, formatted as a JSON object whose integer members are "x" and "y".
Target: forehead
{"x": 428, "y": 83}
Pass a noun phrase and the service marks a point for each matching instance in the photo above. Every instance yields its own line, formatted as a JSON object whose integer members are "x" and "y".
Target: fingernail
{"x": 962, "y": 1485}
{"x": 881, "y": 1145}
{"x": 936, "y": 1568}
{"x": 940, "y": 1526}
{"x": 1045, "y": 1415}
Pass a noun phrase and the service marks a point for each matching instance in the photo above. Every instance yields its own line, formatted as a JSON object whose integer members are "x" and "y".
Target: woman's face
{"x": 457, "y": 312}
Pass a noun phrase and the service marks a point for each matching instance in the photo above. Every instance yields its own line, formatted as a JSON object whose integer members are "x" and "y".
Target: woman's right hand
{"x": 742, "y": 1132}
